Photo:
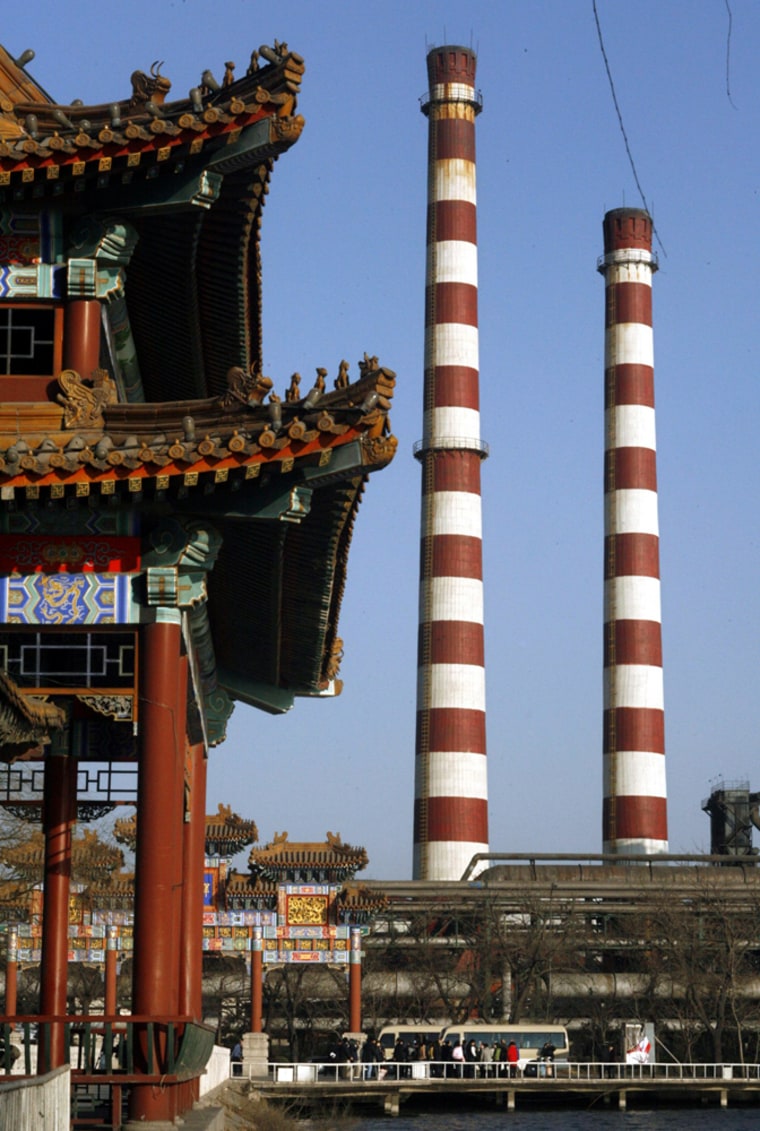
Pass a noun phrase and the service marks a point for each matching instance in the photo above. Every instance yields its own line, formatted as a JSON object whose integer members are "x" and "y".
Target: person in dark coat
{"x": 434, "y": 1056}
{"x": 446, "y": 1058}
{"x": 400, "y": 1058}
{"x": 369, "y": 1059}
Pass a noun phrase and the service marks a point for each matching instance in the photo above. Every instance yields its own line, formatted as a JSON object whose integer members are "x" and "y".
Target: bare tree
{"x": 705, "y": 952}
{"x": 420, "y": 968}
{"x": 302, "y": 1002}
{"x": 519, "y": 947}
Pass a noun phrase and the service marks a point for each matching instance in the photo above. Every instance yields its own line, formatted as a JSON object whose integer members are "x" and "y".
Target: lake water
{"x": 567, "y": 1119}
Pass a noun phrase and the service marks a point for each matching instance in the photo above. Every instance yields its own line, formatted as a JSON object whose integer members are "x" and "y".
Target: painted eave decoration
{"x": 153, "y": 207}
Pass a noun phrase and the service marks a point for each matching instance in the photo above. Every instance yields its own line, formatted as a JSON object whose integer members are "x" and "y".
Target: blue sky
{"x": 344, "y": 261}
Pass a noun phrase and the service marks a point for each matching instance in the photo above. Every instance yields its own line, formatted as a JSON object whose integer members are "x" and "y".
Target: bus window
{"x": 530, "y": 1039}
{"x": 389, "y": 1034}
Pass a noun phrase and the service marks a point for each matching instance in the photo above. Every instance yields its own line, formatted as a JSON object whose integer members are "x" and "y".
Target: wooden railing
{"x": 37, "y": 1103}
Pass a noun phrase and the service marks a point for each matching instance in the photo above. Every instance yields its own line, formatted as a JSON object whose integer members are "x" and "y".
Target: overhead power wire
{"x": 622, "y": 127}
{"x": 728, "y": 56}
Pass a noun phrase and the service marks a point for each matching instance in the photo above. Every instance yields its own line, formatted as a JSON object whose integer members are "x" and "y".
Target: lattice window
{"x": 56, "y": 661}
{"x": 27, "y": 340}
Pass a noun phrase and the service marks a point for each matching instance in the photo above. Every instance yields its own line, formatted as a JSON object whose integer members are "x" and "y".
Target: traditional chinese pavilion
{"x": 103, "y": 894}
{"x": 174, "y": 523}
{"x": 283, "y": 867}
{"x": 300, "y": 903}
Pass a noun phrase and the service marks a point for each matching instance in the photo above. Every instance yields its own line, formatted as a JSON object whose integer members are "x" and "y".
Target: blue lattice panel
{"x": 39, "y": 280}
{"x": 230, "y": 931}
{"x": 226, "y": 939}
{"x": 120, "y": 918}
{"x": 327, "y": 957}
{"x": 69, "y": 599}
{"x": 328, "y": 944}
{"x": 248, "y": 918}
{"x": 86, "y": 943}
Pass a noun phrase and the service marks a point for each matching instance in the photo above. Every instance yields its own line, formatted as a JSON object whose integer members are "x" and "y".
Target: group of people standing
{"x": 480, "y": 1059}
{"x": 468, "y": 1060}
{"x": 372, "y": 1057}
{"x": 354, "y": 1062}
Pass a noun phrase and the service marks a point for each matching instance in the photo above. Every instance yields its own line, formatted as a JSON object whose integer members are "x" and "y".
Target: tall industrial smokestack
{"x": 451, "y": 792}
{"x": 635, "y": 798}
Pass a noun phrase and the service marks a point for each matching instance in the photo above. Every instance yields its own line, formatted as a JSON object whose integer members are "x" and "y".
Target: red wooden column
{"x": 194, "y": 854}
{"x": 82, "y": 336}
{"x": 59, "y": 815}
{"x": 191, "y": 909}
{"x": 11, "y": 973}
{"x": 257, "y": 980}
{"x": 181, "y": 786}
{"x": 158, "y": 856}
{"x": 355, "y": 982}
{"x": 110, "y": 988}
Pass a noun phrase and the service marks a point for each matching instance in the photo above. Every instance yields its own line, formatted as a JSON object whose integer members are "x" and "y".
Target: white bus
{"x": 530, "y": 1038}
{"x": 408, "y": 1032}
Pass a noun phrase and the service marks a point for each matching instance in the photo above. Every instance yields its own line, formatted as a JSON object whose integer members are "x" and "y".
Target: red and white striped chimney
{"x": 451, "y": 792}
{"x": 635, "y": 797}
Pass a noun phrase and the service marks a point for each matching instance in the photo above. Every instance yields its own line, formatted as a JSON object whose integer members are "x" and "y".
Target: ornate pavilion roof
{"x": 354, "y": 904}
{"x": 92, "y": 858}
{"x": 25, "y": 720}
{"x": 299, "y": 862}
{"x": 115, "y": 892}
{"x": 16, "y": 900}
{"x": 358, "y": 902}
{"x": 154, "y": 206}
{"x": 226, "y": 832}
{"x": 106, "y": 888}
{"x": 16, "y": 88}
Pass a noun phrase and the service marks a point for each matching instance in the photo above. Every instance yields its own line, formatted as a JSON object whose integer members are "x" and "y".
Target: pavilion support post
{"x": 110, "y": 1006}
{"x": 181, "y": 788}
{"x": 256, "y": 1043}
{"x": 191, "y": 926}
{"x": 194, "y": 849}
{"x": 82, "y": 336}
{"x": 257, "y": 980}
{"x": 355, "y": 982}
{"x": 11, "y": 973}
{"x": 59, "y": 815}
{"x": 160, "y": 810}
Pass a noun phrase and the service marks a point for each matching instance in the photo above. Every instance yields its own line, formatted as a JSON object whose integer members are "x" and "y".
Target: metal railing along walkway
{"x": 560, "y": 1083}
{"x": 432, "y": 1072}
